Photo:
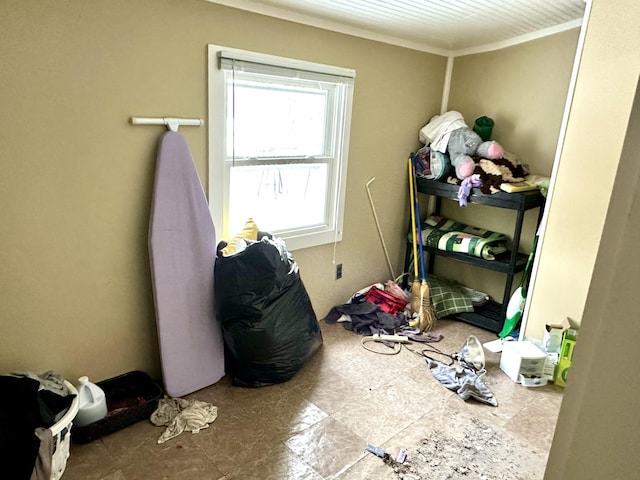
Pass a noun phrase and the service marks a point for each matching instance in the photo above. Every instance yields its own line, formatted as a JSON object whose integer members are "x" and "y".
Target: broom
{"x": 415, "y": 286}
{"x": 426, "y": 314}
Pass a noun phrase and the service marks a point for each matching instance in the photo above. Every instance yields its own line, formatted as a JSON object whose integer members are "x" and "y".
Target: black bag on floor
{"x": 269, "y": 326}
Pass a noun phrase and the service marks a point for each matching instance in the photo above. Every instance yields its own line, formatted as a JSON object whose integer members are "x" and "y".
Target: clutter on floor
{"x": 566, "y": 356}
{"x": 533, "y": 362}
{"x": 559, "y": 343}
{"x": 269, "y": 326}
{"x": 380, "y": 306}
{"x": 379, "y": 319}
{"x": 366, "y": 318}
{"x": 376, "y": 312}
{"x": 329, "y": 402}
{"x": 130, "y": 398}
{"x": 181, "y": 415}
{"x": 478, "y": 451}
{"x": 463, "y": 377}
{"x": 464, "y": 381}
{"x": 521, "y": 360}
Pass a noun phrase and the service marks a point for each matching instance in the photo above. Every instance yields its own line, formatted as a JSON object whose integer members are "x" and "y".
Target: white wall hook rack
{"x": 172, "y": 123}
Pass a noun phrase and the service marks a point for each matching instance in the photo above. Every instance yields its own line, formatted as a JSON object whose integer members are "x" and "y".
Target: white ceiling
{"x": 446, "y": 27}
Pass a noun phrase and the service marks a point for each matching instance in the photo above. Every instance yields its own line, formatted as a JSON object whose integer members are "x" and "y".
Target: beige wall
{"x": 523, "y": 88}
{"x": 598, "y": 118}
{"x": 76, "y": 178}
{"x": 602, "y": 394}
{"x": 597, "y": 431}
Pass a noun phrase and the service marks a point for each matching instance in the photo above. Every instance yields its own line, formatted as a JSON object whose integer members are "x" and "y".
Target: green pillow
{"x": 448, "y": 297}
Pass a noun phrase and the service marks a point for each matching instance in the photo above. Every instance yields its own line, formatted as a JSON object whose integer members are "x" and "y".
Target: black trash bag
{"x": 268, "y": 323}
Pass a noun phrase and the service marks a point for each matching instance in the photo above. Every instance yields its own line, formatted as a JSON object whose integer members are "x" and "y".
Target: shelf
{"x": 512, "y": 201}
{"x": 501, "y": 264}
{"x": 491, "y": 315}
{"x": 487, "y": 316}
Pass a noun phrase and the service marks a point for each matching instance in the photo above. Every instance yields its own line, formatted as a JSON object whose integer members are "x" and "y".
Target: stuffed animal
{"x": 463, "y": 145}
{"x": 490, "y": 150}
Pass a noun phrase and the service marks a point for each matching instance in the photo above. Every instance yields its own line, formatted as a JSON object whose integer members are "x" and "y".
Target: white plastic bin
{"x": 61, "y": 434}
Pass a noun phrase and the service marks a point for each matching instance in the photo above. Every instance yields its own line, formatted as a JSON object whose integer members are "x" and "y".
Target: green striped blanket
{"x": 444, "y": 234}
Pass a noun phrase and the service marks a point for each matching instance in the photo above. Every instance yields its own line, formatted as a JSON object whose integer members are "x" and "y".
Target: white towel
{"x": 178, "y": 415}
{"x": 439, "y": 128}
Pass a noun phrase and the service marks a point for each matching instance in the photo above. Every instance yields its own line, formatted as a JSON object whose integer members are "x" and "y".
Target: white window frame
{"x": 220, "y": 166}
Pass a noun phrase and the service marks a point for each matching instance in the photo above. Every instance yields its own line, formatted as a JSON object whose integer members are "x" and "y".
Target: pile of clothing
{"x": 375, "y": 309}
{"x": 29, "y": 405}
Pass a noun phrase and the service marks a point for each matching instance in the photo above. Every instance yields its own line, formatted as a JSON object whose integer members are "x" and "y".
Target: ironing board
{"x": 182, "y": 245}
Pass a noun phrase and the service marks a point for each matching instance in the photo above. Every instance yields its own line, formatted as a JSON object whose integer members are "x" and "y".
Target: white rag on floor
{"x": 178, "y": 415}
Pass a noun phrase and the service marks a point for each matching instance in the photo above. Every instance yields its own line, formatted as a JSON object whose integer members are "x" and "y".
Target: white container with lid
{"x": 522, "y": 358}
{"x": 92, "y": 403}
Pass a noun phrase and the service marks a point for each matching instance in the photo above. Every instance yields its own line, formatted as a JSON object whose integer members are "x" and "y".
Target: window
{"x": 278, "y": 142}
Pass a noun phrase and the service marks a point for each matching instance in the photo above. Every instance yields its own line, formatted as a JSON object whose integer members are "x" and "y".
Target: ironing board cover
{"x": 182, "y": 244}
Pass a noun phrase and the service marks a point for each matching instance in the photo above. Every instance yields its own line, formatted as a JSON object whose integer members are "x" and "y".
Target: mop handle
{"x": 375, "y": 216}
{"x": 526, "y": 276}
{"x": 413, "y": 221}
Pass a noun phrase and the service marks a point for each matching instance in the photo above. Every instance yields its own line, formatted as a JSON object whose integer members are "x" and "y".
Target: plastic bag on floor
{"x": 268, "y": 323}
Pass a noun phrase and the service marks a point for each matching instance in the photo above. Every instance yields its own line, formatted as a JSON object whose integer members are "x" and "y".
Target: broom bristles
{"x": 426, "y": 314}
{"x": 415, "y": 296}
{"x": 414, "y": 304}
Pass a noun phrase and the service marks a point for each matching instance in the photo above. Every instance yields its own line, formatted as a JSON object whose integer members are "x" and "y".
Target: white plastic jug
{"x": 92, "y": 403}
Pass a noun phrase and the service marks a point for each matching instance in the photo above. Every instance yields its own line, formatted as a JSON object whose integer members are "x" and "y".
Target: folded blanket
{"x": 449, "y": 235}
{"x": 494, "y": 173}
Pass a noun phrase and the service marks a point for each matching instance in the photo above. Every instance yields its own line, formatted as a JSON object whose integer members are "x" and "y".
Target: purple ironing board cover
{"x": 182, "y": 246}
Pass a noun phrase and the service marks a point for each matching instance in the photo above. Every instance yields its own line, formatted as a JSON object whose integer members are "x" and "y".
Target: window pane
{"x": 278, "y": 197}
{"x": 275, "y": 120}
{"x": 279, "y": 142}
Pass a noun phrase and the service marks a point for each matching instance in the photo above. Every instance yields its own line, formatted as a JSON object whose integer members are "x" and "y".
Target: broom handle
{"x": 413, "y": 221}
{"x": 418, "y": 227}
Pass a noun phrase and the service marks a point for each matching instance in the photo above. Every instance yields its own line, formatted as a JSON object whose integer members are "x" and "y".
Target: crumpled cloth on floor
{"x": 464, "y": 381}
{"x": 364, "y": 317}
{"x": 178, "y": 415}
{"x": 424, "y": 337}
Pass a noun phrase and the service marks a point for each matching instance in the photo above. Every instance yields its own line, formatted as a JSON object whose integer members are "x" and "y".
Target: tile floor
{"x": 317, "y": 425}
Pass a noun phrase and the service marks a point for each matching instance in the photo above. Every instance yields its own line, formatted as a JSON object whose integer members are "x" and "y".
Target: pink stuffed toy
{"x": 464, "y": 144}
{"x": 490, "y": 149}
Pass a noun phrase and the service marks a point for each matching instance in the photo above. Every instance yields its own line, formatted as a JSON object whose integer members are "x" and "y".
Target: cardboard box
{"x": 549, "y": 369}
{"x": 554, "y": 333}
{"x": 569, "y": 338}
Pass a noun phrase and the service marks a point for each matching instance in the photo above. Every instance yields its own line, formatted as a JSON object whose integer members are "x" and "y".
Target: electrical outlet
{"x": 338, "y": 271}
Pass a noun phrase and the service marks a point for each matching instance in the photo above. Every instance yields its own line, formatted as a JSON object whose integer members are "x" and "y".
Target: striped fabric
{"x": 449, "y": 235}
